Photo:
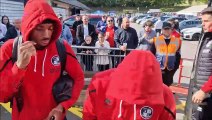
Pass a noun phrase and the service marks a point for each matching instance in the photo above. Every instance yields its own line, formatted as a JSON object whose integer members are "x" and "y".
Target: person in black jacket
{"x": 125, "y": 38}
{"x": 199, "y": 99}
{"x": 77, "y": 22}
{"x": 12, "y": 32}
{"x": 88, "y": 59}
{"x": 5, "y": 20}
{"x": 85, "y": 29}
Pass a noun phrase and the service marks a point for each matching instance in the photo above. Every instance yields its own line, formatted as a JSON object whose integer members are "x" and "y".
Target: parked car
{"x": 189, "y": 23}
{"x": 179, "y": 19}
{"x": 143, "y": 19}
{"x": 193, "y": 33}
{"x": 93, "y": 19}
{"x": 153, "y": 19}
{"x": 163, "y": 18}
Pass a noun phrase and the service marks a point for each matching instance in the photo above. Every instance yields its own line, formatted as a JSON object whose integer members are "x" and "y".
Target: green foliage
{"x": 136, "y": 3}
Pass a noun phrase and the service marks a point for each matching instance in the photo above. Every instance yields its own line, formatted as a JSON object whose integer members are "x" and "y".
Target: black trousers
{"x": 168, "y": 76}
{"x": 103, "y": 67}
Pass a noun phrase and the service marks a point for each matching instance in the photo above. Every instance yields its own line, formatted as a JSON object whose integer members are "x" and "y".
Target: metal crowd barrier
{"x": 99, "y": 59}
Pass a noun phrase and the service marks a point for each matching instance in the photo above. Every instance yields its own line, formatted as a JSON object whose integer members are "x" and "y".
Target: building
{"x": 68, "y": 7}
{"x": 14, "y": 8}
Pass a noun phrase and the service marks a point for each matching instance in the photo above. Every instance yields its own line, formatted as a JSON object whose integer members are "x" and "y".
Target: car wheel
{"x": 196, "y": 37}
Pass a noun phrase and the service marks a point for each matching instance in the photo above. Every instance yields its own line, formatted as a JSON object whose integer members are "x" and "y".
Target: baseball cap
{"x": 167, "y": 25}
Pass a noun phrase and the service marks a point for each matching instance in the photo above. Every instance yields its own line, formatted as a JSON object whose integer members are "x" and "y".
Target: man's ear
{"x": 210, "y": 27}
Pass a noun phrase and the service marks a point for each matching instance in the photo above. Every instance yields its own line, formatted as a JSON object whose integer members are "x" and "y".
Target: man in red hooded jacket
{"x": 37, "y": 66}
{"x": 132, "y": 91}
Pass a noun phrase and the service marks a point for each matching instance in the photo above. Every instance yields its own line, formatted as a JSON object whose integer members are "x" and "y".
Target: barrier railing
{"x": 179, "y": 88}
{"x": 99, "y": 59}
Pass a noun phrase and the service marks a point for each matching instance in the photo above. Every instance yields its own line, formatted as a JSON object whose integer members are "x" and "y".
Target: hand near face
{"x": 25, "y": 52}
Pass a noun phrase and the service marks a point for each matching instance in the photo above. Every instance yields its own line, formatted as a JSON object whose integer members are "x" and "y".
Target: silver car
{"x": 189, "y": 23}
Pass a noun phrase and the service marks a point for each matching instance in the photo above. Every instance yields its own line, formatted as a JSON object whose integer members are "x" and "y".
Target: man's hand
{"x": 56, "y": 113}
{"x": 123, "y": 48}
{"x": 198, "y": 97}
{"x": 25, "y": 52}
{"x": 87, "y": 52}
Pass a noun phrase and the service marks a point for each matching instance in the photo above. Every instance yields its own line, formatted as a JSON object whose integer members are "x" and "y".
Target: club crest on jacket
{"x": 146, "y": 112}
{"x": 55, "y": 60}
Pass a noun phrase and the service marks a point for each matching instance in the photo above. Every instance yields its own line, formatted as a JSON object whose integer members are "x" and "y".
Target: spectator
{"x": 13, "y": 31}
{"x": 77, "y": 22}
{"x": 101, "y": 23}
{"x": 158, "y": 26}
{"x": 166, "y": 48}
{"x": 132, "y": 91}
{"x": 3, "y": 30}
{"x": 5, "y": 20}
{"x": 88, "y": 59}
{"x": 102, "y": 58}
{"x": 119, "y": 21}
{"x": 109, "y": 31}
{"x": 146, "y": 35}
{"x": 125, "y": 38}
{"x": 85, "y": 29}
{"x": 174, "y": 26}
{"x": 29, "y": 81}
{"x": 66, "y": 33}
{"x": 201, "y": 84}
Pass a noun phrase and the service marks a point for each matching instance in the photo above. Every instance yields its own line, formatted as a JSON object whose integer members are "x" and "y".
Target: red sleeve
{"x": 10, "y": 75}
{"x": 207, "y": 87}
{"x": 75, "y": 71}
{"x": 89, "y": 104}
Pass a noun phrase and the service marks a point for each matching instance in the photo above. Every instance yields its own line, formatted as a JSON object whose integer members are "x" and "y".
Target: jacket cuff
{"x": 17, "y": 72}
{"x": 205, "y": 89}
{"x": 65, "y": 105}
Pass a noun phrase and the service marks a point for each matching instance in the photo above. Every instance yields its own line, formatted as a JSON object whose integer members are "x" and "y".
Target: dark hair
{"x": 172, "y": 20}
{"x": 148, "y": 23}
{"x": 101, "y": 33}
{"x": 48, "y": 21}
{"x": 207, "y": 10}
{"x": 8, "y": 24}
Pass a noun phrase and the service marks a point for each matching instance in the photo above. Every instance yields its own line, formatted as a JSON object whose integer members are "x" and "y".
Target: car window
{"x": 70, "y": 21}
{"x": 94, "y": 21}
{"x": 196, "y": 22}
{"x": 188, "y": 22}
{"x": 199, "y": 22}
{"x": 181, "y": 19}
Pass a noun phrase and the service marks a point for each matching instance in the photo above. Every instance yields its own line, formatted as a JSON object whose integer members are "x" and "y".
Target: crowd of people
{"x": 136, "y": 88}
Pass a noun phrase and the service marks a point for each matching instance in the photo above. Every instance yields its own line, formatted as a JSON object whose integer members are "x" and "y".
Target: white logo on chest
{"x": 146, "y": 112}
{"x": 55, "y": 60}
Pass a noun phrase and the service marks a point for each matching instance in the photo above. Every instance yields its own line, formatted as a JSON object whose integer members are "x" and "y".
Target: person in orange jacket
{"x": 132, "y": 91}
{"x": 166, "y": 49}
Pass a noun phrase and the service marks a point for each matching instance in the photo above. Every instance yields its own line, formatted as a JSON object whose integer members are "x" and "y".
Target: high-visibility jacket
{"x": 166, "y": 54}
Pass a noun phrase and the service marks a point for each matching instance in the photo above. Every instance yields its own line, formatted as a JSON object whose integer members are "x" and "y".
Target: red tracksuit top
{"x": 133, "y": 91}
{"x": 36, "y": 81}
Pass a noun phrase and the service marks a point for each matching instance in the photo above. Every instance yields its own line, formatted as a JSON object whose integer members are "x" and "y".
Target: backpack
{"x": 62, "y": 88}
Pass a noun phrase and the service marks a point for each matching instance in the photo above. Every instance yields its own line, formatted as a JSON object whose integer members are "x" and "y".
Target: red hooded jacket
{"x": 132, "y": 91}
{"x": 36, "y": 81}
